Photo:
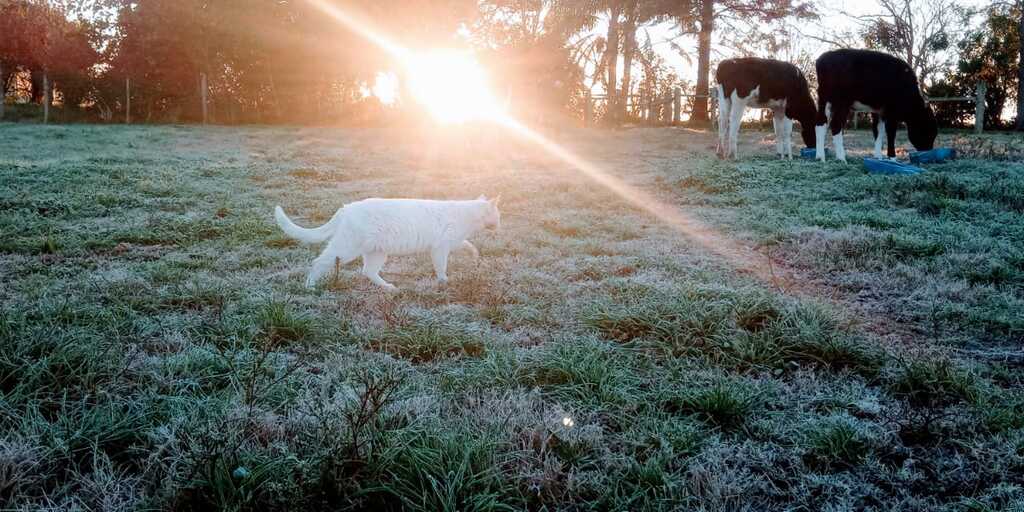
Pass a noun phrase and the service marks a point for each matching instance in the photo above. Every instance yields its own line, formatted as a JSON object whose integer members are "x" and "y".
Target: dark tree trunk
{"x": 1020, "y": 70}
{"x": 628, "y": 49}
{"x": 611, "y": 56}
{"x": 707, "y": 25}
{"x": 47, "y": 98}
{"x": 37, "y": 85}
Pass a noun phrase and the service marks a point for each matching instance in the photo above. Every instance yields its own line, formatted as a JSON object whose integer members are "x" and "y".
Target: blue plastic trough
{"x": 934, "y": 156}
{"x": 876, "y": 166}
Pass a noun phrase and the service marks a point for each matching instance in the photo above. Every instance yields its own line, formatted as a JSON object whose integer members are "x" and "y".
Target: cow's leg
{"x": 820, "y": 128}
{"x": 840, "y": 112}
{"x": 735, "y": 119}
{"x": 890, "y": 131}
{"x": 724, "y": 113}
{"x": 879, "y": 131}
{"x": 778, "y": 124}
{"x": 787, "y": 127}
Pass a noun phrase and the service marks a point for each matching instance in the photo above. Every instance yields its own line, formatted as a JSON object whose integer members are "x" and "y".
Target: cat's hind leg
{"x": 373, "y": 262}
{"x": 440, "y": 258}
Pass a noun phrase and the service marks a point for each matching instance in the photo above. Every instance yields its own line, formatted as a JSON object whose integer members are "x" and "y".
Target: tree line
{"x": 285, "y": 61}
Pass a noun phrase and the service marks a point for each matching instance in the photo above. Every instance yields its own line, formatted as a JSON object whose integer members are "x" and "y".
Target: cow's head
{"x": 922, "y": 129}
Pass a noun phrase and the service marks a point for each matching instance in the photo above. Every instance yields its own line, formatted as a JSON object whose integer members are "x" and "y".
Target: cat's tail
{"x": 304, "y": 235}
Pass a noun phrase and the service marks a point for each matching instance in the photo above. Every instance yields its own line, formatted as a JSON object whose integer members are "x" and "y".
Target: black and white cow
{"x": 874, "y": 82}
{"x": 763, "y": 83}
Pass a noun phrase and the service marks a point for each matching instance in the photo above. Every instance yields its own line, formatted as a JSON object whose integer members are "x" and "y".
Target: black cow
{"x": 873, "y": 82}
{"x": 763, "y": 83}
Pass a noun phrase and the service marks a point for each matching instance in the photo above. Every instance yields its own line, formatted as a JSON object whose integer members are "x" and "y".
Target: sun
{"x": 452, "y": 86}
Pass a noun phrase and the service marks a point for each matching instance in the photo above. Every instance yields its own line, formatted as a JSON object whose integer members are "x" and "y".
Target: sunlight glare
{"x": 452, "y": 87}
{"x": 385, "y": 88}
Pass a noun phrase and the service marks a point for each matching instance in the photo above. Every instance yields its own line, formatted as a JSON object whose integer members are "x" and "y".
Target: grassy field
{"x": 858, "y": 346}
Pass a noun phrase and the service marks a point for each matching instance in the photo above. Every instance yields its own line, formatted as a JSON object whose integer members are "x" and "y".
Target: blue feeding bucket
{"x": 891, "y": 167}
{"x": 934, "y": 156}
{"x": 810, "y": 153}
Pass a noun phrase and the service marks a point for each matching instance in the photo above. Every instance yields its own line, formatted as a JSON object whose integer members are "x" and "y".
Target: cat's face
{"x": 492, "y": 217}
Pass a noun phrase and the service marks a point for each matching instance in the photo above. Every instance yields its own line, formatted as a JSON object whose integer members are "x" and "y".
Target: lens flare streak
{"x": 738, "y": 255}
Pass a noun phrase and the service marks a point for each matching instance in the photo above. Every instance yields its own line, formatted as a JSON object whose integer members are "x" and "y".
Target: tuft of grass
{"x": 725, "y": 404}
{"x": 280, "y": 242}
{"x": 755, "y": 312}
{"x": 749, "y": 330}
{"x": 836, "y": 445}
{"x": 581, "y": 369}
{"x": 933, "y": 382}
{"x": 678, "y": 324}
{"x": 437, "y": 471}
{"x": 49, "y": 245}
{"x": 280, "y": 323}
{"x": 425, "y": 341}
{"x": 1001, "y": 411}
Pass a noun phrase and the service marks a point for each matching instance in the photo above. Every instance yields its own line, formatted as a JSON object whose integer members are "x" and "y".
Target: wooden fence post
{"x": 127, "y": 101}
{"x": 588, "y": 109}
{"x": 979, "y": 108}
{"x": 677, "y": 105}
{"x": 46, "y": 99}
{"x": 202, "y": 95}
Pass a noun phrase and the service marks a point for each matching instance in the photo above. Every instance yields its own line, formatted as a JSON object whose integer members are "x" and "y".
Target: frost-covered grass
{"x": 158, "y": 349}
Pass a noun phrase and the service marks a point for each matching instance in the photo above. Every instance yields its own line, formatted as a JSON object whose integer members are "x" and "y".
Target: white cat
{"x": 376, "y": 228}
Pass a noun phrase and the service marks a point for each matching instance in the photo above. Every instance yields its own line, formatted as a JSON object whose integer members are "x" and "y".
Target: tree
{"x": 272, "y": 60}
{"x": 40, "y": 39}
{"x": 536, "y": 52}
{"x": 919, "y": 31}
{"x": 1019, "y": 7}
{"x": 990, "y": 54}
{"x": 744, "y": 19}
{"x": 637, "y": 14}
